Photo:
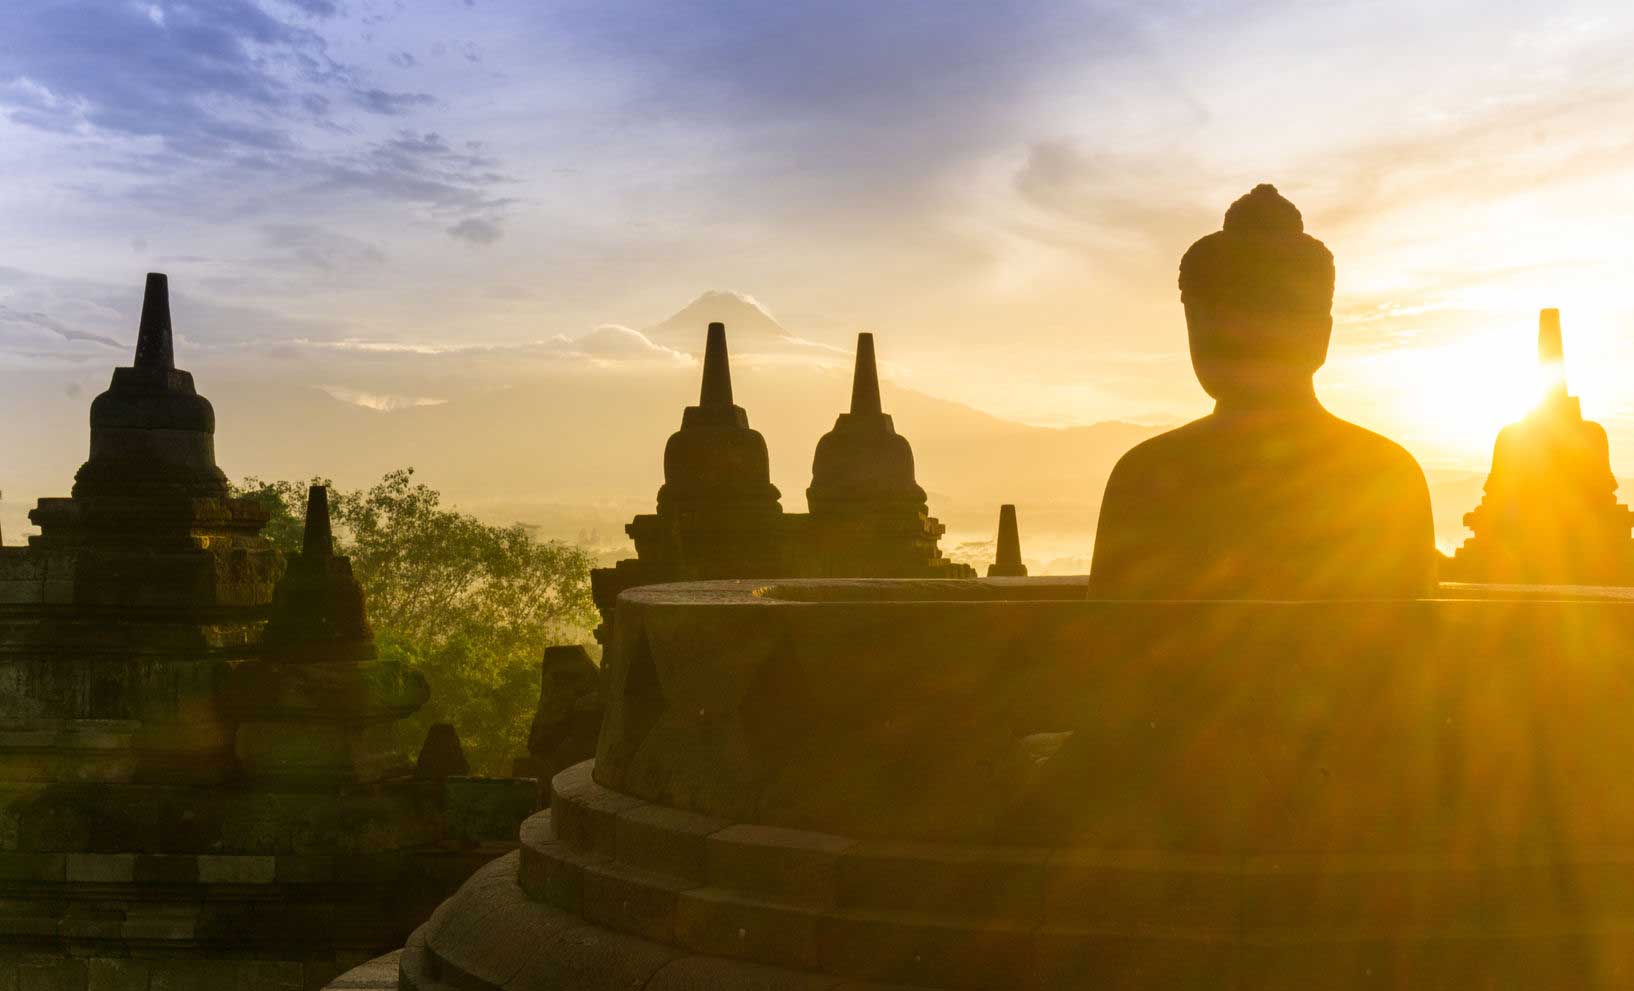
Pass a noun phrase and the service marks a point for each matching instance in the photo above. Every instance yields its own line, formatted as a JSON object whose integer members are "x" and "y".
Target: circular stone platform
{"x": 998, "y": 784}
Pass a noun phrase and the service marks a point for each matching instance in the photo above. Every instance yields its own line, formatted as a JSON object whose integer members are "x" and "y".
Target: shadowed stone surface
{"x": 1007, "y": 559}
{"x": 1269, "y": 496}
{"x": 441, "y": 755}
{"x": 1550, "y": 513}
{"x": 568, "y": 718}
{"x": 1232, "y": 794}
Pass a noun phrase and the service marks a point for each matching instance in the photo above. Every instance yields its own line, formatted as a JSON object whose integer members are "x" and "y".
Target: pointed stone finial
{"x": 153, "y": 343}
{"x": 1551, "y": 348}
{"x": 1552, "y": 352}
{"x": 1007, "y": 560}
{"x": 318, "y": 540}
{"x": 865, "y": 379}
{"x": 717, "y": 387}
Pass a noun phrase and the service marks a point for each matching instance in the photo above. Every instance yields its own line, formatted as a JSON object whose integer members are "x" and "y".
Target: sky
{"x": 357, "y": 190}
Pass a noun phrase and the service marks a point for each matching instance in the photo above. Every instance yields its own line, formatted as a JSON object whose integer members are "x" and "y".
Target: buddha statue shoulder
{"x": 1270, "y": 495}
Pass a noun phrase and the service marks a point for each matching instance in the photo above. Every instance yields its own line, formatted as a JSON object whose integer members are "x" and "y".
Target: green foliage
{"x": 469, "y": 604}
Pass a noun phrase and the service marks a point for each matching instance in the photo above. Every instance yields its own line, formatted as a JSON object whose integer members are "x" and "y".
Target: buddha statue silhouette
{"x": 1269, "y": 496}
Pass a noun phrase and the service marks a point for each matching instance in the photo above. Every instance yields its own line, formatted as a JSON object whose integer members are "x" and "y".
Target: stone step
{"x": 493, "y": 934}
{"x": 1262, "y": 896}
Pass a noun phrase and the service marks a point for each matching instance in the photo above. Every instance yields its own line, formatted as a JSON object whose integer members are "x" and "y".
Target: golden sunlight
{"x": 1455, "y": 396}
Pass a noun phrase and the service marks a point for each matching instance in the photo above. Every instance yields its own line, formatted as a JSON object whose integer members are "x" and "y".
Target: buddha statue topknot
{"x": 1269, "y": 496}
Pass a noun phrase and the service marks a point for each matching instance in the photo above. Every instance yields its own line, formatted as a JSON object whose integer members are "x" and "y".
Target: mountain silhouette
{"x": 749, "y": 325}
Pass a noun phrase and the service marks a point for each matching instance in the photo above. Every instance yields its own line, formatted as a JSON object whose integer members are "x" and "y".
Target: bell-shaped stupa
{"x": 718, "y": 511}
{"x": 863, "y": 467}
{"x": 868, "y": 516}
{"x": 151, "y": 432}
{"x": 716, "y": 464}
{"x": 1550, "y": 512}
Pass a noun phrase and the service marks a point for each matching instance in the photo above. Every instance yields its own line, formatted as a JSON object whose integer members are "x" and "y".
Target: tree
{"x": 469, "y": 604}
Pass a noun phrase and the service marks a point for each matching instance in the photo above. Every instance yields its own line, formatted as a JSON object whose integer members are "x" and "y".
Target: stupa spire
{"x": 1007, "y": 557}
{"x": 317, "y": 541}
{"x": 865, "y": 380}
{"x": 717, "y": 384}
{"x": 153, "y": 341}
{"x": 1552, "y": 350}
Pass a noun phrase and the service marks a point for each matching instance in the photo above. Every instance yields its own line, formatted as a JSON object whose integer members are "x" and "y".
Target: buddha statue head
{"x": 1258, "y": 296}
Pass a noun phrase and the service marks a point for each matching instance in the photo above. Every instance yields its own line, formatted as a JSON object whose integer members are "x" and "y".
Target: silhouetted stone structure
{"x": 1550, "y": 512}
{"x": 832, "y": 784}
{"x": 868, "y": 516}
{"x": 1269, "y": 496}
{"x": 568, "y": 718}
{"x": 719, "y": 515}
{"x": 441, "y": 754}
{"x": 200, "y": 784}
{"x": 1007, "y": 554}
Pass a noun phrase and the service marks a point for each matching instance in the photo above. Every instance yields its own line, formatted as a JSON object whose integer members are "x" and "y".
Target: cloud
{"x": 475, "y": 230}
{"x": 612, "y": 340}
{"x": 391, "y": 104}
{"x": 315, "y": 8}
{"x": 380, "y": 402}
{"x": 202, "y": 79}
{"x": 310, "y": 246}
{"x": 419, "y": 167}
{"x": 17, "y": 329}
{"x": 226, "y": 108}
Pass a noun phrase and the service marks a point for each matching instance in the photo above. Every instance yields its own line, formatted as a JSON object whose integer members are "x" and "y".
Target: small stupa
{"x": 319, "y": 706}
{"x": 1550, "y": 512}
{"x": 717, "y": 509}
{"x": 718, "y": 514}
{"x": 1007, "y": 556}
{"x": 868, "y": 514}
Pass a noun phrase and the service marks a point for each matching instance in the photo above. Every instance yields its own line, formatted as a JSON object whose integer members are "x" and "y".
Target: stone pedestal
{"x": 1001, "y": 785}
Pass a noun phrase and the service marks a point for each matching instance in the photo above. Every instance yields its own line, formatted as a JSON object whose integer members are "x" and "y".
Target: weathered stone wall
{"x": 1204, "y": 724}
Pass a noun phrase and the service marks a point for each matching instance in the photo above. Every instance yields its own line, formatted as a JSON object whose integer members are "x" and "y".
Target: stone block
{"x": 274, "y": 975}
{"x": 93, "y": 921}
{"x": 304, "y": 869}
{"x": 588, "y": 820}
{"x": 116, "y": 974}
{"x": 725, "y": 924}
{"x": 666, "y": 840}
{"x": 235, "y": 869}
{"x": 102, "y": 868}
{"x": 975, "y": 881}
{"x": 192, "y": 975}
{"x": 632, "y": 902}
{"x": 150, "y": 868}
{"x": 789, "y": 863}
{"x": 65, "y": 974}
{"x": 573, "y": 780}
{"x": 161, "y": 922}
{"x": 29, "y": 866}
{"x": 711, "y": 974}
{"x": 597, "y": 959}
{"x": 379, "y": 974}
{"x": 29, "y": 925}
{"x": 553, "y": 873}
{"x": 912, "y": 948}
